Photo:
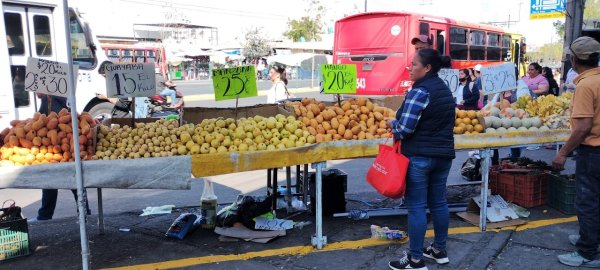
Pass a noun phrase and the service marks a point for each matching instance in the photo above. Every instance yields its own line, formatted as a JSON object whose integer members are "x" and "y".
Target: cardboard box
{"x": 499, "y": 214}
{"x": 196, "y": 115}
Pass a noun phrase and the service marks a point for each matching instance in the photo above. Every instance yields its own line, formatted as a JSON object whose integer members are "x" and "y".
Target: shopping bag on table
{"x": 388, "y": 172}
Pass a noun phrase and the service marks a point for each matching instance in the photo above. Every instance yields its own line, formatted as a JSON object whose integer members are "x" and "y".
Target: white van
{"x": 36, "y": 29}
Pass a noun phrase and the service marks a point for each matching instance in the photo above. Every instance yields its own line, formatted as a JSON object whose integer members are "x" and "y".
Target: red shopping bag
{"x": 388, "y": 172}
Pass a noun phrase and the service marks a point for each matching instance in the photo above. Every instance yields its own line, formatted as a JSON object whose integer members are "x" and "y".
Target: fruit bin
{"x": 527, "y": 188}
{"x": 561, "y": 193}
{"x": 14, "y": 239}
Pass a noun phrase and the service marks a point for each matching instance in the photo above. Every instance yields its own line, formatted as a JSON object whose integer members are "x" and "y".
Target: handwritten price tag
{"x": 230, "y": 83}
{"x": 450, "y": 77}
{"x": 48, "y": 77}
{"x": 498, "y": 78}
{"x": 339, "y": 79}
{"x": 130, "y": 80}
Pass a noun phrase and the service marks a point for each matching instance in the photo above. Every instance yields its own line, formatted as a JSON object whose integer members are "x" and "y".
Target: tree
{"x": 548, "y": 55}
{"x": 559, "y": 27}
{"x": 256, "y": 44}
{"x": 592, "y": 9}
{"x": 309, "y": 28}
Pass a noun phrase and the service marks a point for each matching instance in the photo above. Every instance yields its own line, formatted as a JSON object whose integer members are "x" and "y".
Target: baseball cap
{"x": 477, "y": 67}
{"x": 583, "y": 47}
{"x": 420, "y": 38}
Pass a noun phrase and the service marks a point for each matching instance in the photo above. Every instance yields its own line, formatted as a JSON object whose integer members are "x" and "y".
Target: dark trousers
{"x": 49, "y": 197}
{"x": 587, "y": 200}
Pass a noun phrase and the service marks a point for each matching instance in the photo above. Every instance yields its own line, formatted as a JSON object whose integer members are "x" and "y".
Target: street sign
{"x": 130, "y": 80}
{"x": 498, "y": 78}
{"x": 233, "y": 83}
{"x": 547, "y": 9}
{"x": 339, "y": 79}
{"x": 592, "y": 24}
{"x": 48, "y": 77}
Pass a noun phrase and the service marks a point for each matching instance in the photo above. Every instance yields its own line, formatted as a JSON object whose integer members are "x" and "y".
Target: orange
{"x": 478, "y": 128}
{"x": 474, "y": 122}
{"x": 458, "y": 121}
{"x": 472, "y": 114}
{"x": 461, "y": 114}
{"x": 469, "y": 128}
{"x": 466, "y": 121}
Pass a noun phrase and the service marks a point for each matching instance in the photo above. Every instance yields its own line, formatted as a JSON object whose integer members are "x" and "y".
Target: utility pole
{"x": 365, "y": 5}
{"x": 573, "y": 25}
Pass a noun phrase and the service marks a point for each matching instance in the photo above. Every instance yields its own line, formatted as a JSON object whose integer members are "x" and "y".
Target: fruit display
{"x": 509, "y": 119}
{"x": 46, "y": 139}
{"x": 468, "y": 122}
{"x": 349, "y": 120}
{"x": 545, "y": 106}
{"x": 165, "y": 138}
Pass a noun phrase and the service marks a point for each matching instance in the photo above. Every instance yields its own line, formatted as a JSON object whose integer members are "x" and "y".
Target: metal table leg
{"x": 486, "y": 155}
{"x": 274, "y": 193}
{"x": 288, "y": 188}
{"x": 268, "y": 181}
{"x": 100, "y": 212}
{"x": 305, "y": 182}
{"x": 319, "y": 240}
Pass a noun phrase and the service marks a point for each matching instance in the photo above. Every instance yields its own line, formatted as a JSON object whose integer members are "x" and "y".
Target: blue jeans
{"x": 49, "y": 197}
{"x": 426, "y": 186}
{"x": 169, "y": 93}
{"x": 587, "y": 200}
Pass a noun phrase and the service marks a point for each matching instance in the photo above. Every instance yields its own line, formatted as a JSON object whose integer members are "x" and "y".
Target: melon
{"x": 544, "y": 128}
{"x": 511, "y": 129}
{"x": 501, "y": 129}
{"x": 506, "y": 123}
{"x": 490, "y": 130}
{"x": 522, "y": 129}
{"x": 496, "y": 123}
{"x": 536, "y": 122}
{"x": 533, "y": 129}
{"x": 495, "y": 112}
{"x": 526, "y": 122}
{"x": 487, "y": 121}
{"x": 515, "y": 122}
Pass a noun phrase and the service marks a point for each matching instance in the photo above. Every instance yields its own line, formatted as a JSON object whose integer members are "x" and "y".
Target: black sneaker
{"x": 406, "y": 263}
{"x": 439, "y": 257}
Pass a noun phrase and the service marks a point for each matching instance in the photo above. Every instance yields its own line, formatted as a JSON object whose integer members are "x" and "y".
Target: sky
{"x": 234, "y": 17}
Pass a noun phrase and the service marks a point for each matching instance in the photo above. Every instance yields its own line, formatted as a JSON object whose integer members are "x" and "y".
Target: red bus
{"x": 379, "y": 44}
{"x": 120, "y": 54}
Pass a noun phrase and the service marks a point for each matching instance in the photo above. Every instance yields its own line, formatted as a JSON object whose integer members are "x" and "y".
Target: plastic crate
{"x": 561, "y": 193}
{"x": 527, "y": 188}
{"x": 14, "y": 239}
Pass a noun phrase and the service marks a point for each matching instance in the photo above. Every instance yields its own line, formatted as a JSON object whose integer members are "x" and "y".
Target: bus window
{"x": 493, "y": 49}
{"x": 43, "y": 39}
{"x": 139, "y": 56}
{"x": 113, "y": 55}
{"x": 441, "y": 42}
{"x": 151, "y": 56}
{"x": 127, "y": 56}
{"x": 424, "y": 29}
{"x": 14, "y": 33}
{"x": 458, "y": 44}
{"x": 477, "y": 45}
{"x": 18, "y": 83}
{"x": 82, "y": 55}
{"x": 506, "y": 41}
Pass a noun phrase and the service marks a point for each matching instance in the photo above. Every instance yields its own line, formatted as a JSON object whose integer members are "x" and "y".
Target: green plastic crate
{"x": 561, "y": 193}
{"x": 14, "y": 239}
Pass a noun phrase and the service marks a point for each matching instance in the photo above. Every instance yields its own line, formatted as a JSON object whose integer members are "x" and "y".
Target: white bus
{"x": 36, "y": 29}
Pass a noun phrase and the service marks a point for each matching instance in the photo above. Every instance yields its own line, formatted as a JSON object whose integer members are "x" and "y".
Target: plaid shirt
{"x": 416, "y": 101}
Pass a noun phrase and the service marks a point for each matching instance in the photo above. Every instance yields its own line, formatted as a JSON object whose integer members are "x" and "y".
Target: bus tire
{"x": 102, "y": 111}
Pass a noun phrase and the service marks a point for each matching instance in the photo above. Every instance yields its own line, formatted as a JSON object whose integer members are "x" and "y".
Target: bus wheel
{"x": 102, "y": 111}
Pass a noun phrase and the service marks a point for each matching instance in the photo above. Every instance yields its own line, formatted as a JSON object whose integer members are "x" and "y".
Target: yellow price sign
{"x": 339, "y": 79}
{"x": 232, "y": 83}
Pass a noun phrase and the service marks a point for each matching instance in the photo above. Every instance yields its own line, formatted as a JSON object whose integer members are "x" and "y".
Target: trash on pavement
{"x": 244, "y": 210}
{"x": 385, "y": 233}
{"x": 499, "y": 214}
{"x": 157, "y": 210}
{"x": 184, "y": 225}
{"x": 521, "y": 211}
{"x": 241, "y": 232}
{"x": 271, "y": 224}
{"x": 124, "y": 229}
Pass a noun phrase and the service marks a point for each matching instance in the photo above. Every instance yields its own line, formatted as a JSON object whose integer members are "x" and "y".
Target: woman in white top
{"x": 279, "y": 90}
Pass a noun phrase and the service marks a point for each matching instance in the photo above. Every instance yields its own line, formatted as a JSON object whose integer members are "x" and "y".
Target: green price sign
{"x": 231, "y": 83}
{"x": 339, "y": 79}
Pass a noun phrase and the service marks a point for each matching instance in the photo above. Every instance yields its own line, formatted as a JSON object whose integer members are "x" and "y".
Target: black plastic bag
{"x": 470, "y": 170}
{"x": 10, "y": 212}
{"x": 184, "y": 225}
{"x": 244, "y": 210}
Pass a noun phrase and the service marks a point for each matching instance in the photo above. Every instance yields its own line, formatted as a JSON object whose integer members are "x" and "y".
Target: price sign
{"x": 498, "y": 78}
{"x": 130, "y": 80}
{"x": 48, "y": 77}
{"x": 339, "y": 79}
{"x": 231, "y": 83}
{"x": 450, "y": 77}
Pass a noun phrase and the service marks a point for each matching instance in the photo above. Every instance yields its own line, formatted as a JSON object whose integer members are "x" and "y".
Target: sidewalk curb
{"x": 488, "y": 250}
